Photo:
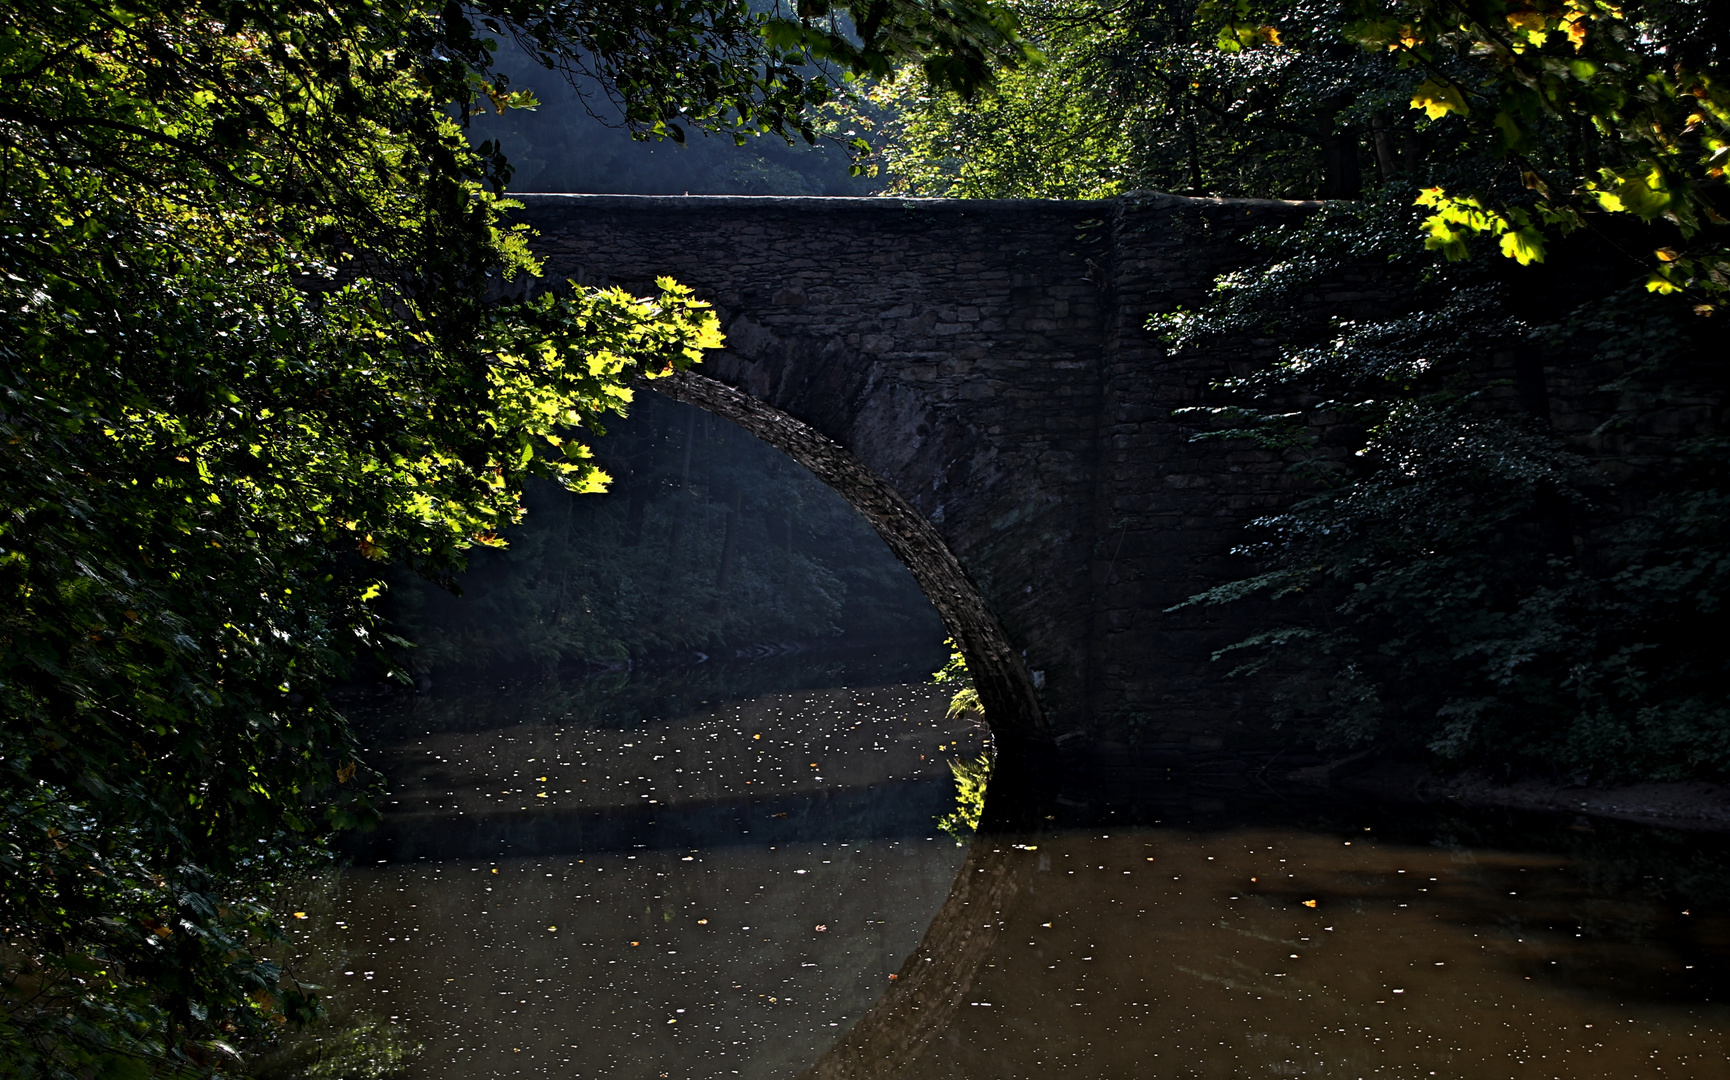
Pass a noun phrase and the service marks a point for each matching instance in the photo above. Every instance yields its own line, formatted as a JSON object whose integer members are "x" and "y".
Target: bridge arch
{"x": 978, "y": 378}
{"x": 1005, "y": 688}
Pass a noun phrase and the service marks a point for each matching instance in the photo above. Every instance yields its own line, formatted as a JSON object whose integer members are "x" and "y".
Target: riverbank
{"x": 1686, "y": 804}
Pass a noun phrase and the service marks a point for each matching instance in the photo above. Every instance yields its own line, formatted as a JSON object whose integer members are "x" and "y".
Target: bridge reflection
{"x": 924, "y": 996}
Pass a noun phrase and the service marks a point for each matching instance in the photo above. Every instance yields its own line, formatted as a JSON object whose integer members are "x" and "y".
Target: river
{"x": 635, "y": 883}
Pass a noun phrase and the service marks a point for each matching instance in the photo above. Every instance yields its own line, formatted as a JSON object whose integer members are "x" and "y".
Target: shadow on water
{"x": 755, "y": 888}
{"x": 879, "y": 812}
{"x": 629, "y": 700}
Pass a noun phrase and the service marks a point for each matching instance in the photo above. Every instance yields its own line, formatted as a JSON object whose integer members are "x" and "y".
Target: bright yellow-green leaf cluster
{"x": 1521, "y": 237}
{"x": 1520, "y": 70}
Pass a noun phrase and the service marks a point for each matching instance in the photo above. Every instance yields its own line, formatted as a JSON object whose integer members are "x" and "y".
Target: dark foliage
{"x": 1513, "y": 546}
{"x": 1467, "y": 579}
{"x": 248, "y": 358}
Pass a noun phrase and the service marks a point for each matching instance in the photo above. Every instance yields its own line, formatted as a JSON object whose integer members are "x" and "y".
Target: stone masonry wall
{"x": 989, "y": 361}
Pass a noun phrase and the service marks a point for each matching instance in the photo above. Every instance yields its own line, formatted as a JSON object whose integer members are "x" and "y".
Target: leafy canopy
{"x": 1521, "y": 119}
{"x": 1516, "y": 73}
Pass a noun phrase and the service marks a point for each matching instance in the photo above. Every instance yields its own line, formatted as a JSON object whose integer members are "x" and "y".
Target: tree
{"x": 1523, "y": 117}
{"x": 1466, "y": 579}
{"x": 265, "y": 330}
{"x": 1587, "y": 106}
{"x": 1470, "y": 580}
{"x": 1142, "y": 95}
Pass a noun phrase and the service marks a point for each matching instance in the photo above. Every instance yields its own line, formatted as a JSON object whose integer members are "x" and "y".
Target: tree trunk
{"x": 1387, "y": 157}
{"x": 1411, "y": 153}
{"x": 1195, "y": 175}
{"x": 1341, "y": 178}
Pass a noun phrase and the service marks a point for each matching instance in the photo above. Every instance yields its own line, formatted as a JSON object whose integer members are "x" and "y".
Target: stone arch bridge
{"x": 977, "y": 379}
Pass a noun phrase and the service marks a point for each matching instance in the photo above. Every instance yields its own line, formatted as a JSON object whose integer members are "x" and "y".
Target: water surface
{"x": 757, "y": 889}
{"x": 1330, "y": 952}
{"x": 721, "y": 894}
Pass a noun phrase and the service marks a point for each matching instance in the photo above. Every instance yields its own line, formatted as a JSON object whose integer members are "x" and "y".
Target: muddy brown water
{"x": 759, "y": 890}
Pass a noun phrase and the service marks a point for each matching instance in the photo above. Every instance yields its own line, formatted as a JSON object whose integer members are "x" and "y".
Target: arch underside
{"x": 1005, "y": 687}
{"x": 978, "y": 378}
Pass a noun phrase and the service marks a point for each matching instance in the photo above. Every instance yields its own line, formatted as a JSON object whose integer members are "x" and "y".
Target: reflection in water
{"x": 703, "y": 963}
{"x": 1325, "y": 952}
{"x": 924, "y": 996}
{"x": 759, "y": 890}
{"x": 717, "y": 896}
